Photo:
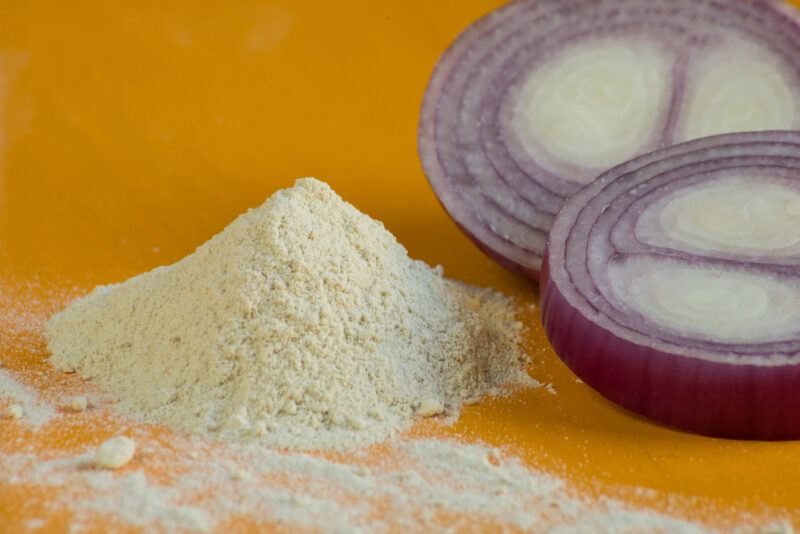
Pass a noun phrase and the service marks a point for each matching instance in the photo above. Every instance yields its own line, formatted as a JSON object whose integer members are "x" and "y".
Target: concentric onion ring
{"x": 672, "y": 285}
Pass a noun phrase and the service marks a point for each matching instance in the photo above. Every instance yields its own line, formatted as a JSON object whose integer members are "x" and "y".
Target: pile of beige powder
{"x": 304, "y": 324}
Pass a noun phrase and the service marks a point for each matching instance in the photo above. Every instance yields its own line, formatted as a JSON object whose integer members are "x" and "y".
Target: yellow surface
{"x": 129, "y": 134}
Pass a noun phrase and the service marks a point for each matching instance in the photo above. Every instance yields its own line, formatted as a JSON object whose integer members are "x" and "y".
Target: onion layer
{"x": 672, "y": 285}
{"x": 537, "y": 98}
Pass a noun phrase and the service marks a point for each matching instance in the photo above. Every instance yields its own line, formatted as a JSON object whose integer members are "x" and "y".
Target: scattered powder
{"x": 779, "y": 527}
{"x": 114, "y": 453}
{"x": 128, "y": 499}
{"x": 26, "y": 401}
{"x": 34, "y": 524}
{"x": 304, "y": 324}
{"x": 425, "y": 485}
{"x": 414, "y": 485}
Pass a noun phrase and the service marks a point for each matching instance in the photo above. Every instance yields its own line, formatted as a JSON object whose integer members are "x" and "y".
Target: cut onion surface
{"x": 539, "y": 97}
{"x": 671, "y": 285}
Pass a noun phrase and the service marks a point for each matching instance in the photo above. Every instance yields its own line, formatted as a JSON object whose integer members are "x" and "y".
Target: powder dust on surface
{"x": 416, "y": 484}
{"x": 303, "y": 324}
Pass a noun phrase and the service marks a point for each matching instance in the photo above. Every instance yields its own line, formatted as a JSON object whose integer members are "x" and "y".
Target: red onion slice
{"x": 537, "y": 98}
{"x": 672, "y": 285}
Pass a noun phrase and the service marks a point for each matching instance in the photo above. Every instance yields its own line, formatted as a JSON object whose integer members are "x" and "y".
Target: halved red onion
{"x": 672, "y": 285}
{"x": 537, "y": 98}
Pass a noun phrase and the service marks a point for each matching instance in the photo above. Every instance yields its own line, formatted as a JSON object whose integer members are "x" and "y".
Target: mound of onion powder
{"x": 671, "y": 285}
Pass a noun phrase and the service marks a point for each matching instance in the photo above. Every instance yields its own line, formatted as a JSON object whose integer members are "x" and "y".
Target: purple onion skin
{"x": 727, "y": 401}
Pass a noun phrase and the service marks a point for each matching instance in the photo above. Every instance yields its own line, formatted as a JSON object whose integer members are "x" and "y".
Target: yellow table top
{"x": 130, "y": 134}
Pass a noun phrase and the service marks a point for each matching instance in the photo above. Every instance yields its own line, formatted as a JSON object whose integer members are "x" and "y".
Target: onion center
{"x": 594, "y": 105}
{"x": 735, "y": 214}
{"x": 732, "y": 93}
{"x": 717, "y": 304}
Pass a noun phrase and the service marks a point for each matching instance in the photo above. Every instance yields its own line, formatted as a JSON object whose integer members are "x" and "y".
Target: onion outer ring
{"x": 729, "y": 399}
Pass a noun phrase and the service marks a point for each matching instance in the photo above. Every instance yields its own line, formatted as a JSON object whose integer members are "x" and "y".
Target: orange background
{"x": 130, "y": 134}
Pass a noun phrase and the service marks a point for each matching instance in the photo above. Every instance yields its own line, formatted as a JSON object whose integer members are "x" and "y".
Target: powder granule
{"x": 78, "y": 404}
{"x": 304, "y": 324}
{"x": 114, "y": 453}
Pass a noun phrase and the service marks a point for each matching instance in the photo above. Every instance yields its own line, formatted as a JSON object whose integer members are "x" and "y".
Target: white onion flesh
{"x": 738, "y": 88}
{"x": 716, "y": 304}
{"x": 734, "y": 214}
{"x": 594, "y": 105}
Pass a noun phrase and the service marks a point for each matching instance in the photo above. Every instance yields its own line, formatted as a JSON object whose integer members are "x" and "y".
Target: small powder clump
{"x": 304, "y": 324}
{"x": 114, "y": 453}
{"x": 78, "y": 404}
